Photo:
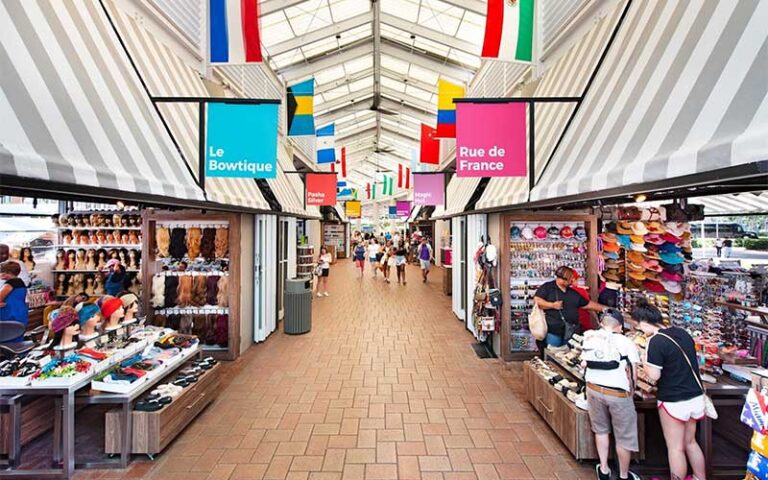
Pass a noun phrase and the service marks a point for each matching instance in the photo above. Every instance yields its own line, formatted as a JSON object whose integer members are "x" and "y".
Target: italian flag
{"x": 509, "y": 31}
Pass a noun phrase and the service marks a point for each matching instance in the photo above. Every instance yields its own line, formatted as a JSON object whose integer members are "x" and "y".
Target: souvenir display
{"x": 305, "y": 261}
{"x": 335, "y": 239}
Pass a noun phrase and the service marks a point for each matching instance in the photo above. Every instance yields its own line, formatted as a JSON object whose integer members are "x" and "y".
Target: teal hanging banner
{"x": 241, "y": 140}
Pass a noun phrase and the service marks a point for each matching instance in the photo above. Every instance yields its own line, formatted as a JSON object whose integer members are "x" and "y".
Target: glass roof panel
{"x": 336, "y": 92}
{"x": 358, "y": 65}
{"x": 362, "y": 84}
{"x": 329, "y": 75}
{"x": 418, "y": 93}
{"x": 287, "y": 58}
{"x": 422, "y": 74}
{"x": 464, "y": 58}
{"x": 275, "y": 28}
{"x": 430, "y": 46}
{"x": 440, "y": 16}
{"x": 405, "y": 9}
{"x": 472, "y": 29}
{"x": 344, "y": 9}
{"x": 309, "y": 16}
{"x": 394, "y": 64}
{"x": 393, "y": 84}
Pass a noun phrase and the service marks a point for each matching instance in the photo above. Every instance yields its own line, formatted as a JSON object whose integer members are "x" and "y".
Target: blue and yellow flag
{"x": 300, "y": 108}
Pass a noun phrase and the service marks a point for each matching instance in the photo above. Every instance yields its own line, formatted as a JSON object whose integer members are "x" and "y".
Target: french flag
{"x": 234, "y": 31}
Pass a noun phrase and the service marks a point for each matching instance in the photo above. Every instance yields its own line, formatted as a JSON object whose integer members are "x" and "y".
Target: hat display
{"x": 637, "y": 275}
{"x": 652, "y": 254}
{"x": 671, "y": 276}
{"x": 611, "y": 247}
{"x": 514, "y": 232}
{"x": 611, "y": 255}
{"x": 580, "y": 233}
{"x": 553, "y": 232}
{"x": 527, "y": 233}
{"x": 652, "y": 265}
{"x": 612, "y": 285}
{"x": 674, "y": 228}
{"x": 86, "y": 311}
{"x": 638, "y": 228}
{"x": 610, "y": 227}
{"x": 653, "y": 286}
{"x": 624, "y": 228}
{"x": 669, "y": 248}
{"x": 668, "y": 267}
{"x": 540, "y": 233}
{"x": 611, "y": 275}
{"x": 611, "y": 264}
{"x": 655, "y": 228}
{"x": 67, "y": 316}
{"x": 672, "y": 287}
{"x": 636, "y": 257}
{"x": 668, "y": 237}
{"x": 566, "y": 232}
{"x": 637, "y": 239}
{"x": 624, "y": 240}
{"x": 652, "y": 275}
{"x": 636, "y": 267}
{"x": 110, "y": 305}
{"x": 638, "y": 247}
{"x": 130, "y": 298}
{"x": 608, "y": 237}
{"x": 654, "y": 238}
{"x": 671, "y": 258}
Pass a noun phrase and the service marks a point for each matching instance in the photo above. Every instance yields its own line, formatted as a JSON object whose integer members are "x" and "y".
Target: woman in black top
{"x": 680, "y": 397}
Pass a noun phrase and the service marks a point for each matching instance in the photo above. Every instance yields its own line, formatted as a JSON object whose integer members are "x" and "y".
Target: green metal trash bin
{"x": 298, "y": 306}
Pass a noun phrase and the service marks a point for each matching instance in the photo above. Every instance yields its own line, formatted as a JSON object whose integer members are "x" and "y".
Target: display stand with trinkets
{"x": 534, "y": 246}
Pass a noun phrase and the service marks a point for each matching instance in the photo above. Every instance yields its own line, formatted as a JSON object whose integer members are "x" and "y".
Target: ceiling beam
{"x": 408, "y": 80}
{"x": 319, "y": 34}
{"x": 411, "y": 100}
{"x": 430, "y": 34}
{"x": 395, "y": 105}
{"x": 446, "y": 67}
{"x": 301, "y": 70}
{"x": 359, "y": 100}
{"x": 271, "y": 6}
{"x": 475, "y": 6}
{"x": 349, "y": 123}
{"x": 345, "y": 139}
{"x": 346, "y": 80}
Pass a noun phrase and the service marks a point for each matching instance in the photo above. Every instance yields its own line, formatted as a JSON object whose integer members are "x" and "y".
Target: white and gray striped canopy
{"x": 683, "y": 90}
{"x": 73, "y": 111}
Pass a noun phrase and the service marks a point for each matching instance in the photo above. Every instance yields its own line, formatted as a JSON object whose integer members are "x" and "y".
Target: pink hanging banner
{"x": 428, "y": 189}
{"x": 490, "y": 140}
{"x": 403, "y": 208}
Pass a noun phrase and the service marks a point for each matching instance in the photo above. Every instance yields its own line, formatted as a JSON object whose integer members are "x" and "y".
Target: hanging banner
{"x": 430, "y": 146}
{"x": 353, "y": 208}
{"x": 321, "y": 189}
{"x": 403, "y": 208}
{"x": 326, "y": 152}
{"x": 230, "y": 149}
{"x": 446, "y": 109}
{"x": 300, "y": 108}
{"x": 241, "y": 44}
{"x": 392, "y": 211}
{"x": 490, "y": 140}
{"x": 428, "y": 189}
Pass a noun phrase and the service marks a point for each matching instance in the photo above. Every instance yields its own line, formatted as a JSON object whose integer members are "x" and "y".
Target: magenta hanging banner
{"x": 428, "y": 189}
{"x": 403, "y": 208}
{"x": 490, "y": 140}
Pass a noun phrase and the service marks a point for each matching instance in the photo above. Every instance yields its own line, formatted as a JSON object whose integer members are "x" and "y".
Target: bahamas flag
{"x": 446, "y": 109}
{"x": 300, "y": 108}
{"x": 326, "y": 151}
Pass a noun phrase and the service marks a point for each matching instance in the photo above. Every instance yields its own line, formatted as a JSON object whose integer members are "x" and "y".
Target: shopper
{"x": 426, "y": 256}
{"x": 359, "y": 257}
{"x": 561, "y": 306}
{"x": 727, "y": 247}
{"x": 5, "y": 256}
{"x": 611, "y": 361}
{"x": 671, "y": 361}
{"x": 388, "y": 260}
{"x": 719, "y": 247}
{"x": 324, "y": 260}
{"x": 13, "y": 296}
{"x": 396, "y": 240}
{"x": 401, "y": 254}
{"x": 373, "y": 250}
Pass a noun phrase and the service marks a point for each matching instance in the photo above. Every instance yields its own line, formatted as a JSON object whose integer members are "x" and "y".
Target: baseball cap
{"x": 515, "y": 232}
{"x": 580, "y": 233}
{"x": 553, "y": 232}
{"x": 540, "y": 232}
{"x": 527, "y": 233}
{"x": 566, "y": 232}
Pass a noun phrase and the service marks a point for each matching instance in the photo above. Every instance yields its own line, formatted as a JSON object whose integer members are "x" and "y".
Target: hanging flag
{"x": 368, "y": 190}
{"x": 326, "y": 152}
{"x": 446, "y": 109}
{"x": 509, "y": 31}
{"x": 300, "y": 98}
{"x": 234, "y": 31}
{"x": 341, "y": 184}
{"x": 373, "y": 191}
{"x": 407, "y": 178}
{"x": 415, "y": 166}
{"x": 333, "y": 167}
{"x": 344, "y": 162}
{"x": 430, "y": 146}
{"x": 399, "y": 175}
{"x": 388, "y": 185}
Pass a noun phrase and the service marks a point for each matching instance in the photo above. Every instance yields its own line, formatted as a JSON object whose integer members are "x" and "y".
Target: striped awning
{"x": 288, "y": 187}
{"x": 414, "y": 213}
{"x": 339, "y": 208}
{"x": 166, "y": 74}
{"x": 682, "y": 91}
{"x": 733, "y": 204}
{"x": 458, "y": 193}
{"x": 567, "y": 77}
{"x": 72, "y": 109}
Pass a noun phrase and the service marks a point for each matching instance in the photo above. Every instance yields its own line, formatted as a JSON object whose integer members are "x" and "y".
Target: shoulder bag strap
{"x": 687, "y": 360}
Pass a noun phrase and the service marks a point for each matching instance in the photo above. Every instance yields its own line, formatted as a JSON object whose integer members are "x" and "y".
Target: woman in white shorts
{"x": 671, "y": 361}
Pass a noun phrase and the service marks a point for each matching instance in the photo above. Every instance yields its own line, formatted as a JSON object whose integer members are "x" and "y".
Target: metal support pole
{"x": 531, "y": 148}
{"x": 201, "y": 145}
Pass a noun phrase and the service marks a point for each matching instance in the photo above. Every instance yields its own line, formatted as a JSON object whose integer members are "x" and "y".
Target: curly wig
{"x": 222, "y": 242}
{"x": 194, "y": 236}
{"x": 185, "y": 291}
{"x": 212, "y": 289}
{"x": 163, "y": 240}
{"x": 199, "y": 291}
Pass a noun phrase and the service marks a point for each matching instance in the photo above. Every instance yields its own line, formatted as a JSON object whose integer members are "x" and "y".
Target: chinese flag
{"x": 430, "y": 146}
{"x": 344, "y": 162}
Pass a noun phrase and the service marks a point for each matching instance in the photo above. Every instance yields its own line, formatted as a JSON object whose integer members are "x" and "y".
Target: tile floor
{"x": 385, "y": 386}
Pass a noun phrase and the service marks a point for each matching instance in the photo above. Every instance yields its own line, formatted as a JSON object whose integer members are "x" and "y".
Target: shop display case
{"x": 335, "y": 239}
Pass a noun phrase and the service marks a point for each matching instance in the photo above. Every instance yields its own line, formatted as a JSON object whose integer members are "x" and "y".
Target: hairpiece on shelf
{"x": 194, "y": 236}
{"x": 222, "y": 298}
{"x": 199, "y": 290}
{"x": 185, "y": 291}
{"x": 163, "y": 240}
{"x": 212, "y": 289}
{"x": 178, "y": 243}
{"x": 160, "y": 320}
{"x": 171, "y": 294}
{"x": 207, "y": 245}
{"x": 210, "y": 329}
{"x": 222, "y": 242}
{"x": 222, "y": 330}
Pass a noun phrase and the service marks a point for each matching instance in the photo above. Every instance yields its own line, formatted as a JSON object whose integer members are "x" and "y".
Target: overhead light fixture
{"x": 641, "y": 197}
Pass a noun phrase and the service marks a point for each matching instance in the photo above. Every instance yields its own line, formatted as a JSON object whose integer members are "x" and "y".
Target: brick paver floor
{"x": 385, "y": 386}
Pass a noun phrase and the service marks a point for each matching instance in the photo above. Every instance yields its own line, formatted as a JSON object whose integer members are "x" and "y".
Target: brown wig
{"x": 222, "y": 242}
{"x": 199, "y": 291}
{"x": 163, "y": 240}
{"x": 194, "y": 236}
{"x": 207, "y": 246}
{"x": 212, "y": 289}
{"x": 185, "y": 291}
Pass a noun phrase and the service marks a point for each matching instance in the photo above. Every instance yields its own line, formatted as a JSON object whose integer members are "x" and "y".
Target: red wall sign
{"x": 321, "y": 189}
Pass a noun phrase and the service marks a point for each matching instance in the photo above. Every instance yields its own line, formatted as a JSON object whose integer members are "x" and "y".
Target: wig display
{"x": 194, "y": 236}
{"x": 222, "y": 330}
{"x": 171, "y": 287}
{"x": 178, "y": 243}
{"x": 222, "y": 242}
{"x": 173, "y": 321}
{"x": 207, "y": 246}
{"x": 185, "y": 324}
{"x": 163, "y": 240}
{"x": 158, "y": 290}
{"x": 199, "y": 291}
{"x": 185, "y": 291}
{"x": 198, "y": 326}
{"x": 160, "y": 320}
{"x": 211, "y": 290}
{"x": 210, "y": 329}
{"x": 222, "y": 299}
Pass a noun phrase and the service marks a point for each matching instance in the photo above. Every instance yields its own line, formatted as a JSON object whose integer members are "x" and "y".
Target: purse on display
{"x": 488, "y": 324}
{"x": 494, "y": 295}
{"x": 675, "y": 213}
{"x": 537, "y": 323}
{"x": 629, "y": 213}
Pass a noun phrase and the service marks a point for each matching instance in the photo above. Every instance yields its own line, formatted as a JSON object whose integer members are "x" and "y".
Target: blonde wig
{"x": 199, "y": 290}
{"x": 158, "y": 291}
{"x": 222, "y": 297}
{"x": 184, "y": 298}
{"x": 163, "y": 239}
{"x": 222, "y": 242}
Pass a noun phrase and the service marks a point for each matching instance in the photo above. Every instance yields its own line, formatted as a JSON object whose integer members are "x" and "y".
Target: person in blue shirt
{"x": 13, "y": 296}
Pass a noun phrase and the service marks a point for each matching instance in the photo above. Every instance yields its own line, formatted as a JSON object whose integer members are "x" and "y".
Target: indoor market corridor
{"x": 385, "y": 386}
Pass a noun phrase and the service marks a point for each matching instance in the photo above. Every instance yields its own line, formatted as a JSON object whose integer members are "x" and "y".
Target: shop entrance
{"x": 282, "y": 265}
{"x": 264, "y": 274}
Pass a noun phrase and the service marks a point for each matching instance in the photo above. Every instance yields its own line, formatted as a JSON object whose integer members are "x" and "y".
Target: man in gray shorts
{"x": 611, "y": 361}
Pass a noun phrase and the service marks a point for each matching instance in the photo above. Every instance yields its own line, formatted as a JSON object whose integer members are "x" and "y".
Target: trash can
{"x": 298, "y": 306}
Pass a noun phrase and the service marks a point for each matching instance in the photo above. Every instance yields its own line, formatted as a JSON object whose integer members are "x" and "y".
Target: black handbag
{"x": 494, "y": 295}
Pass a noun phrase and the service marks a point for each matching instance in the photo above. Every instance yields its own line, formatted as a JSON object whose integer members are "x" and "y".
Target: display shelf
{"x": 192, "y": 310}
{"x": 128, "y": 270}
{"x": 550, "y": 356}
{"x": 97, "y": 228}
{"x": 85, "y": 246}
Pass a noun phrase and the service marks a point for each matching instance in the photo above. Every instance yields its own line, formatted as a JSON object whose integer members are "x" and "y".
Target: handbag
{"x": 709, "y": 407}
{"x": 318, "y": 271}
{"x": 494, "y": 295}
{"x": 537, "y": 323}
{"x": 675, "y": 213}
{"x": 629, "y": 213}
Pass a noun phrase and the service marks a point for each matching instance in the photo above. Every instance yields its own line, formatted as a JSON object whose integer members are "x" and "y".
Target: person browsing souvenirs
{"x": 561, "y": 305}
{"x": 611, "y": 360}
